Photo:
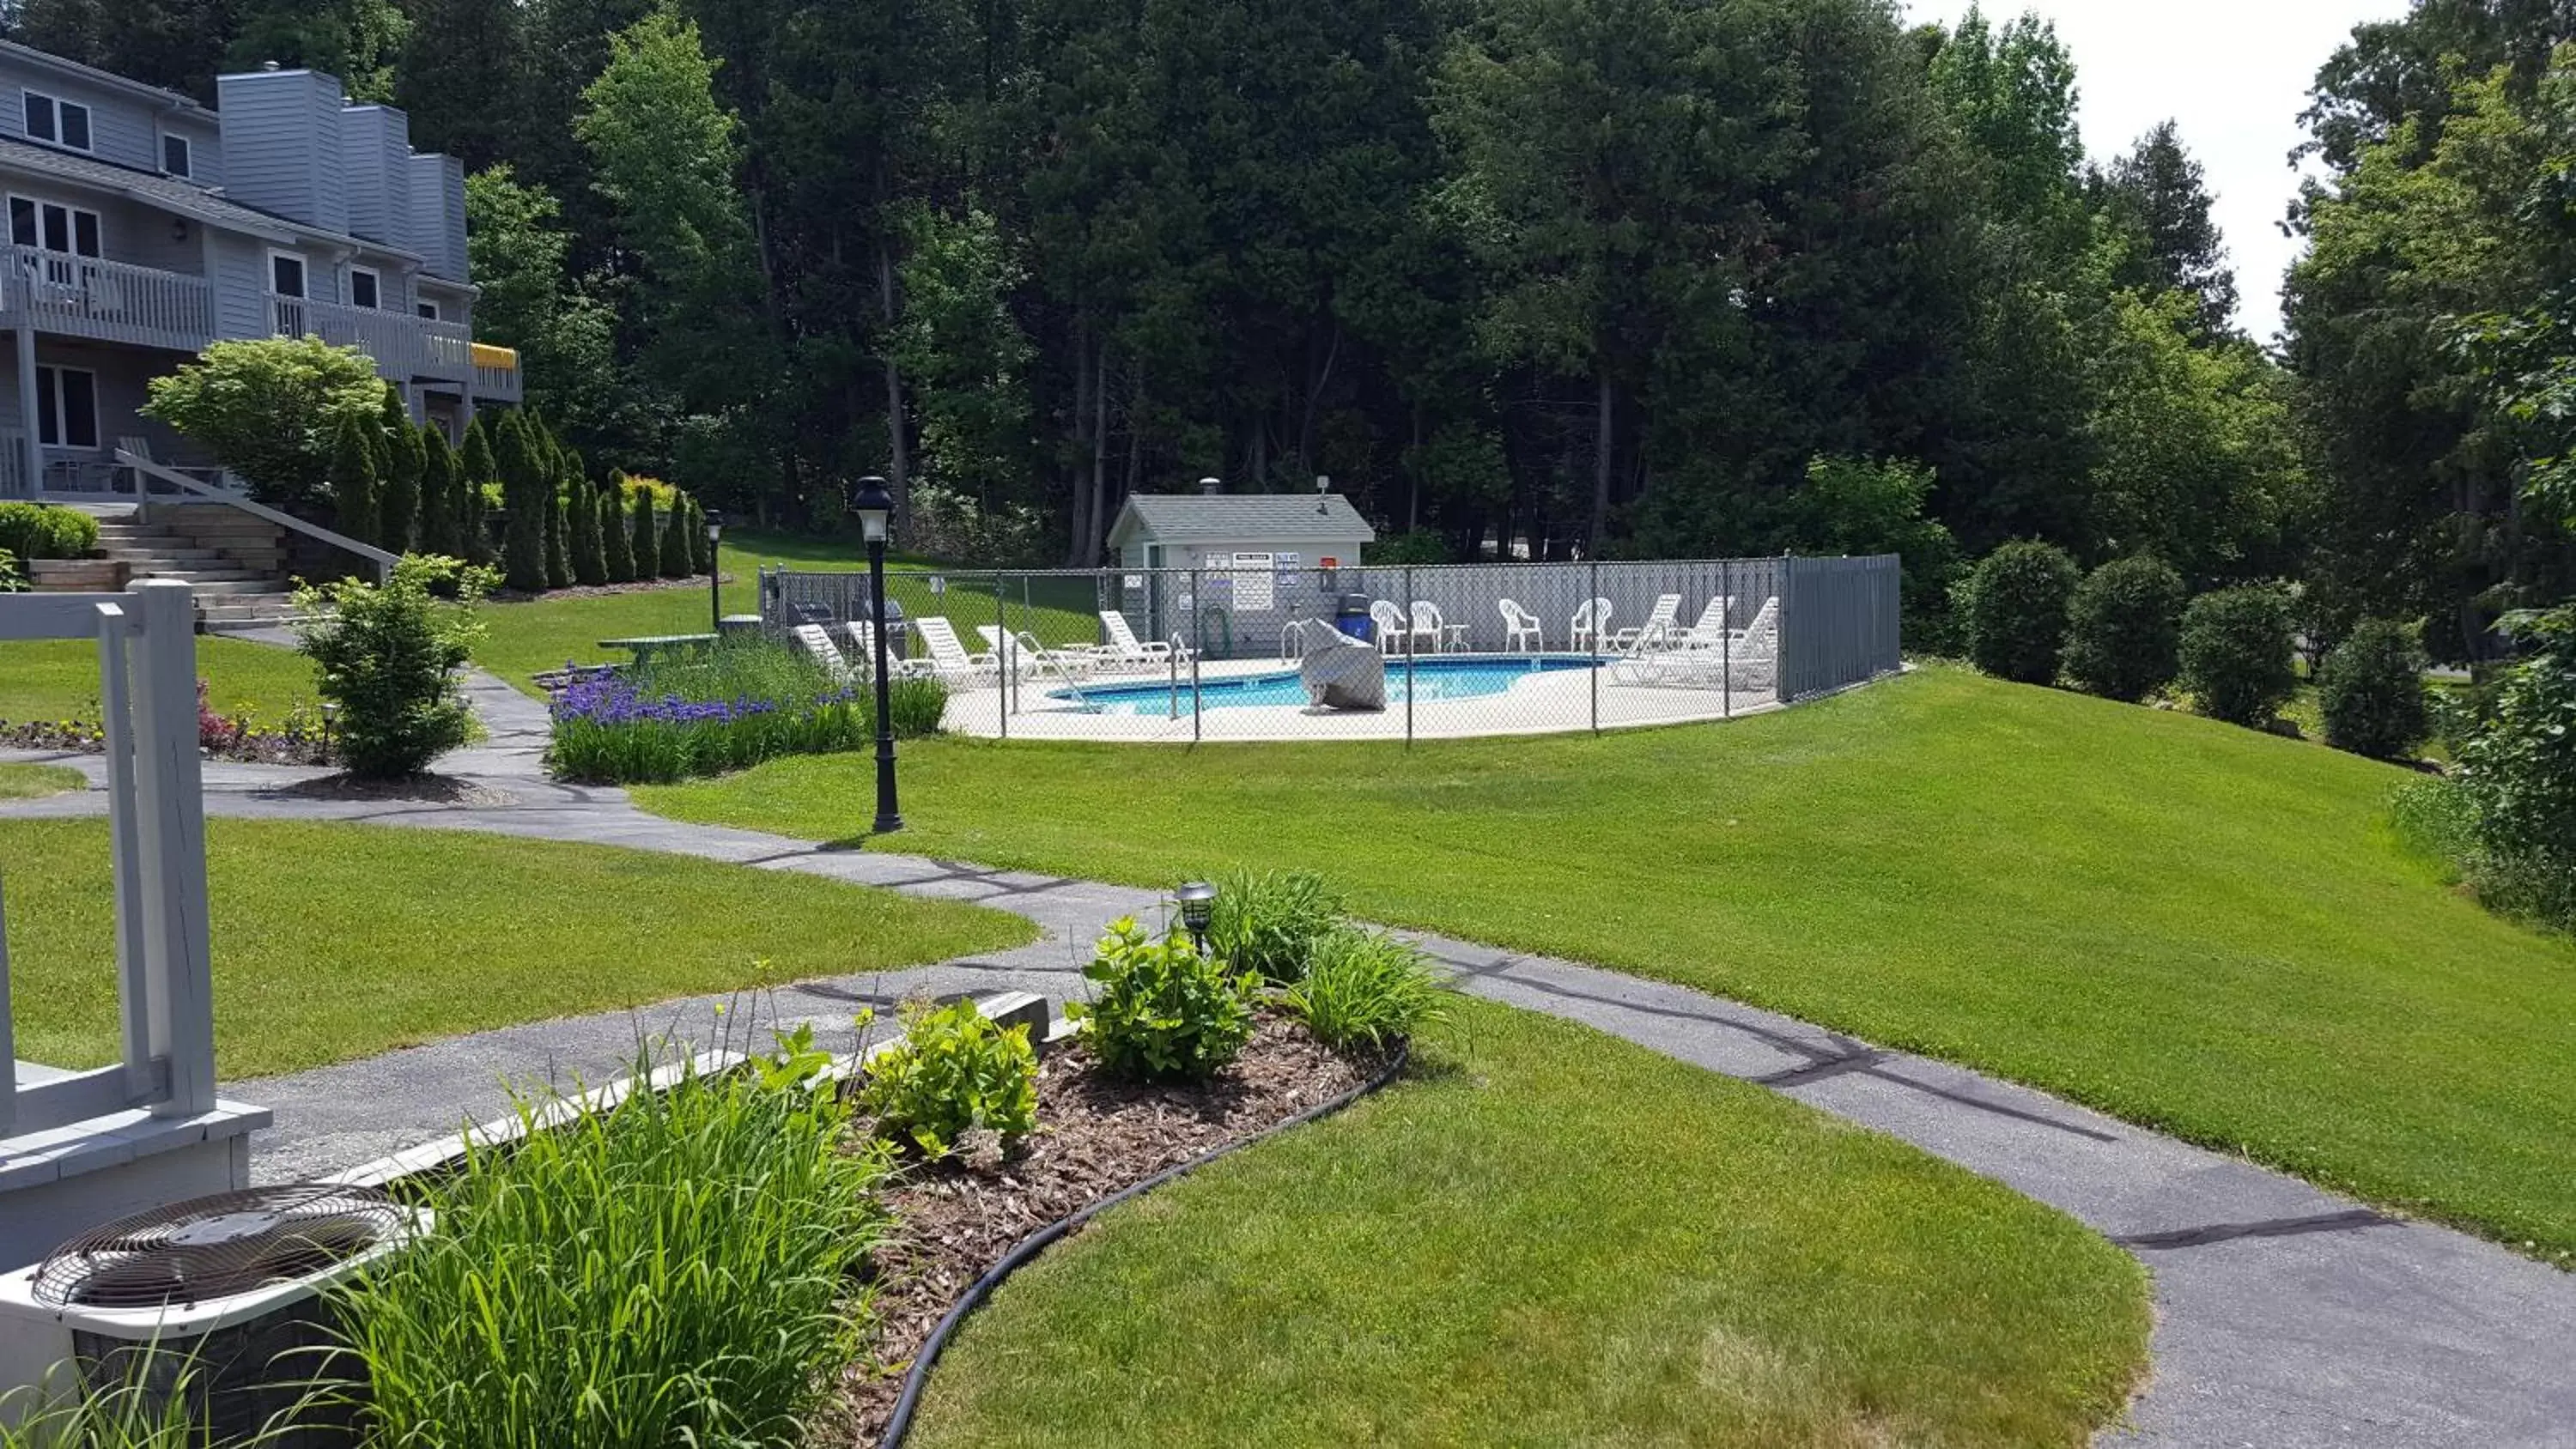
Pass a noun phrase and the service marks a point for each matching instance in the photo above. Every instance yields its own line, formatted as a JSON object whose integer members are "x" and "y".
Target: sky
{"x": 2233, "y": 74}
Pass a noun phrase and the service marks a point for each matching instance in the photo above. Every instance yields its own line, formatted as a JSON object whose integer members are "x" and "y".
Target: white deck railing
{"x": 112, "y": 301}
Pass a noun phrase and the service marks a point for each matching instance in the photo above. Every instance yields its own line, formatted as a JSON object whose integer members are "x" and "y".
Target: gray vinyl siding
{"x": 205, "y": 147}
{"x": 241, "y": 285}
{"x": 120, "y": 129}
{"x": 122, "y": 377}
{"x": 282, "y": 145}
{"x": 129, "y": 231}
{"x": 438, "y": 214}
{"x": 375, "y": 147}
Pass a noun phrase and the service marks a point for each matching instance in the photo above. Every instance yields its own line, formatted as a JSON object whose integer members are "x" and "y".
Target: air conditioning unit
{"x": 215, "y": 1297}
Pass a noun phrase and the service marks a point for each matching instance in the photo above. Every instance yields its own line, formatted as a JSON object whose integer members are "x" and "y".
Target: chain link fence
{"x": 1415, "y": 651}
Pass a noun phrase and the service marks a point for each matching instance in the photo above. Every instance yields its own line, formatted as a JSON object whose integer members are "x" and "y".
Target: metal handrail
{"x": 145, "y": 467}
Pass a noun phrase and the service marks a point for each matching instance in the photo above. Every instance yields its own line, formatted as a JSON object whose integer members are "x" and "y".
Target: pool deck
{"x": 1558, "y": 701}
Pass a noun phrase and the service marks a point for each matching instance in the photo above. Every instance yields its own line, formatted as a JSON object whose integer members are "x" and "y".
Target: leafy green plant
{"x": 2236, "y": 655}
{"x": 269, "y": 407}
{"x": 2371, "y": 692}
{"x": 1365, "y": 988}
{"x": 2015, "y": 605}
{"x": 2518, "y": 772}
{"x": 703, "y": 714}
{"x": 387, "y": 655}
{"x": 13, "y": 580}
{"x": 1164, "y": 1011}
{"x": 2124, "y": 629}
{"x": 954, "y": 1072}
{"x": 676, "y": 1269}
{"x": 1269, "y": 921}
{"x": 46, "y": 530}
{"x": 916, "y": 706}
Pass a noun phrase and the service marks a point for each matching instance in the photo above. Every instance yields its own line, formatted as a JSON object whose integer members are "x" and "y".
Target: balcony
{"x": 406, "y": 349}
{"x": 108, "y": 301}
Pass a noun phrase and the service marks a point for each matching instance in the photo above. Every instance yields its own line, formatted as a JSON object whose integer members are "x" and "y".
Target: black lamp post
{"x": 715, "y": 573}
{"x": 1198, "y": 907}
{"x": 875, "y": 508}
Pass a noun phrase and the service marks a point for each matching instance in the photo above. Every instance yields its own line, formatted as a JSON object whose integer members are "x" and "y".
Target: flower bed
{"x": 298, "y": 739}
{"x": 727, "y": 710}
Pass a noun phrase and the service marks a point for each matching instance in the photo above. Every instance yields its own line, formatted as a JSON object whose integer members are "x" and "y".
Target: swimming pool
{"x": 1434, "y": 678}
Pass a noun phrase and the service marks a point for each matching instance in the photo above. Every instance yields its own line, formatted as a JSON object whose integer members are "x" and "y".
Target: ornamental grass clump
{"x": 1164, "y": 1012}
{"x": 681, "y": 1268}
{"x": 1269, "y": 921}
{"x": 1366, "y": 988}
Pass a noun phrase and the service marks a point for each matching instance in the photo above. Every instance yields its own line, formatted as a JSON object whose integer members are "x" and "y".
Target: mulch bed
{"x": 259, "y": 748}
{"x": 1096, "y": 1135}
{"x": 414, "y": 789}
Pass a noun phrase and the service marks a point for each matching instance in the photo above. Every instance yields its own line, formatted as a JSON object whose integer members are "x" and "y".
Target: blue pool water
{"x": 1433, "y": 678}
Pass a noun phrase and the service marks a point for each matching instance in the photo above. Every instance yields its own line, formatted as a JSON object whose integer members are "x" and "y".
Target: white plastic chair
{"x": 1591, "y": 622}
{"x": 1657, "y": 629}
{"x": 1710, "y": 626}
{"x": 948, "y": 657}
{"x": 1394, "y": 631}
{"x": 1427, "y": 624}
{"x": 1125, "y": 648}
{"x": 819, "y": 647}
{"x": 863, "y": 654}
{"x": 1520, "y": 624}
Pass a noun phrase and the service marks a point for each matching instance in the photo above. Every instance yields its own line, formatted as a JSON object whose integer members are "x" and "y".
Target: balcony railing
{"x": 111, "y": 301}
{"x": 403, "y": 347}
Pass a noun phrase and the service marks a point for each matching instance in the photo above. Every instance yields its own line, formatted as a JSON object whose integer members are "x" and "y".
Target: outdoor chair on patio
{"x": 1710, "y": 627}
{"x": 1520, "y": 628}
{"x": 819, "y": 647}
{"x": 949, "y": 659}
{"x": 1126, "y": 650}
{"x": 1656, "y": 632}
{"x": 863, "y": 651}
{"x": 1591, "y": 624}
{"x": 1394, "y": 630}
{"x": 1427, "y": 624}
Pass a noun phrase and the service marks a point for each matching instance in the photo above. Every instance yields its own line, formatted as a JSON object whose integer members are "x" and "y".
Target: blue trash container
{"x": 1351, "y": 616}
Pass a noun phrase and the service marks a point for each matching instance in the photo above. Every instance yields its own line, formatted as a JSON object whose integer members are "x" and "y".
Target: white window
{"x": 176, "y": 159}
{"x": 66, "y": 407}
{"x": 428, "y": 310}
{"x": 365, "y": 287}
{"x": 286, "y": 274}
{"x": 64, "y": 123}
{"x": 54, "y": 227}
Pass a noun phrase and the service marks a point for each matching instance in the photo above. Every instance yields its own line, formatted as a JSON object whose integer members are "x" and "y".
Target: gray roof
{"x": 64, "y": 65}
{"x": 1239, "y": 518}
{"x": 171, "y": 194}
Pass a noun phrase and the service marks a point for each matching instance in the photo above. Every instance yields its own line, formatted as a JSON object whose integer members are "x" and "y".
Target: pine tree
{"x": 589, "y": 549}
{"x": 474, "y": 468}
{"x": 703, "y": 546}
{"x": 439, "y": 497}
{"x": 677, "y": 562}
{"x": 619, "y": 543}
{"x": 643, "y": 540}
{"x": 524, "y": 498}
{"x": 400, "y": 501}
{"x": 2163, "y": 195}
{"x": 353, "y": 481}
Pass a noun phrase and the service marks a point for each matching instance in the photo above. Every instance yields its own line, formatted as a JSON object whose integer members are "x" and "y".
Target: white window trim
{"x": 76, "y": 212}
{"x": 434, "y": 312}
{"x": 87, "y": 110}
{"x": 188, "y": 141}
{"x": 62, "y": 420}
{"x": 355, "y": 271}
{"x": 303, "y": 267}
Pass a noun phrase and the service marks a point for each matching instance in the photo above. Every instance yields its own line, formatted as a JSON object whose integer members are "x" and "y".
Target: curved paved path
{"x": 2287, "y": 1317}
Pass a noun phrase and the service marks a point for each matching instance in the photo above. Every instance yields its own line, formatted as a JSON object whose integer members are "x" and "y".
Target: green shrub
{"x": 1164, "y": 1012}
{"x": 387, "y": 655}
{"x": 589, "y": 545}
{"x": 2236, "y": 655}
{"x": 2518, "y": 772}
{"x": 405, "y": 460}
{"x": 642, "y": 540}
{"x": 2124, "y": 629}
{"x": 916, "y": 706}
{"x": 676, "y": 1269}
{"x": 558, "y": 541}
{"x": 954, "y": 1072}
{"x": 13, "y": 580}
{"x": 1365, "y": 988}
{"x": 617, "y": 548}
{"x": 269, "y": 408}
{"x": 673, "y": 556}
{"x": 1270, "y": 921}
{"x": 43, "y": 530}
{"x": 2016, "y": 611}
{"x": 441, "y": 501}
{"x": 2371, "y": 692}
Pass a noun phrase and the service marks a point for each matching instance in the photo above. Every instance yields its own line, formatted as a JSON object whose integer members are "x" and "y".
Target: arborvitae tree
{"x": 702, "y": 554}
{"x": 399, "y": 502}
{"x": 589, "y": 550}
{"x": 353, "y": 481}
{"x": 619, "y": 543}
{"x": 558, "y": 540}
{"x": 474, "y": 468}
{"x": 440, "y": 501}
{"x": 645, "y": 543}
{"x": 677, "y": 558}
{"x": 524, "y": 493}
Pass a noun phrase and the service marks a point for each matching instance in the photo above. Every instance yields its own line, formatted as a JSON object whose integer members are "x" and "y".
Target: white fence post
{"x": 169, "y": 781}
{"x": 116, "y": 694}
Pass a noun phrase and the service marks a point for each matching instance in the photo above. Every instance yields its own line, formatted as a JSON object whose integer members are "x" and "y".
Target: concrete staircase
{"x": 236, "y": 562}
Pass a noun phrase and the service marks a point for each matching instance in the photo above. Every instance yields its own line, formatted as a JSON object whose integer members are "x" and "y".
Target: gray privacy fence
{"x": 1743, "y": 632}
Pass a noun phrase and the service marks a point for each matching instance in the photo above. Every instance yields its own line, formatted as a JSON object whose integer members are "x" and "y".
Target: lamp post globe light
{"x": 715, "y": 573}
{"x": 875, "y": 508}
{"x": 1198, "y": 907}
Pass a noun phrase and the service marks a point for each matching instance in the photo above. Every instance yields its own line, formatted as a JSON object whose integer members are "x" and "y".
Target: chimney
{"x": 1211, "y": 487}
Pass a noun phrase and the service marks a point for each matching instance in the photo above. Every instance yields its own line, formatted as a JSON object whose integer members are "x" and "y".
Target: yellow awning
{"x": 504, "y": 358}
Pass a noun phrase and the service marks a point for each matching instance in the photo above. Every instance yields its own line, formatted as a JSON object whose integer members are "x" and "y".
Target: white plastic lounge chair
{"x": 1656, "y": 632}
{"x": 1125, "y": 648}
{"x": 819, "y": 647}
{"x": 1394, "y": 631}
{"x": 948, "y": 657}
{"x": 1427, "y": 624}
{"x": 1710, "y": 626}
{"x": 1520, "y": 628}
{"x": 863, "y": 654}
{"x": 1591, "y": 622}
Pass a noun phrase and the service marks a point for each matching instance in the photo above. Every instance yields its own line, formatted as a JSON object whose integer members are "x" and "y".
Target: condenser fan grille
{"x": 214, "y": 1247}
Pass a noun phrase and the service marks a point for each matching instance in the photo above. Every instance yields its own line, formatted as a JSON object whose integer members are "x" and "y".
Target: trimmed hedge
{"x": 2371, "y": 692}
{"x": 2236, "y": 655}
{"x": 43, "y": 530}
{"x": 2016, "y": 611}
{"x": 2124, "y": 629}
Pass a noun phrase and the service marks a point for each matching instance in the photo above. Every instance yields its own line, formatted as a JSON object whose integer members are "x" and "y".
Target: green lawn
{"x": 2193, "y": 926}
{"x": 546, "y": 633}
{"x": 53, "y": 679}
{"x": 1558, "y": 1238}
{"x": 26, "y": 782}
{"x": 340, "y": 941}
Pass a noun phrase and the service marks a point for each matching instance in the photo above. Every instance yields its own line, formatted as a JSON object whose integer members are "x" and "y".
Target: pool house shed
{"x": 1233, "y": 531}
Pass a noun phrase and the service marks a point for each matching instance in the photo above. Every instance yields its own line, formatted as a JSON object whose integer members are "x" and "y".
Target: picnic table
{"x": 645, "y": 646}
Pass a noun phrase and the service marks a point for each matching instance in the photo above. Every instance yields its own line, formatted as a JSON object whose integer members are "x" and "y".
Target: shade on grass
{"x": 26, "y": 782}
{"x": 57, "y": 679}
{"x": 1558, "y": 1238}
{"x": 2190, "y": 925}
{"x": 339, "y": 941}
{"x": 546, "y": 633}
